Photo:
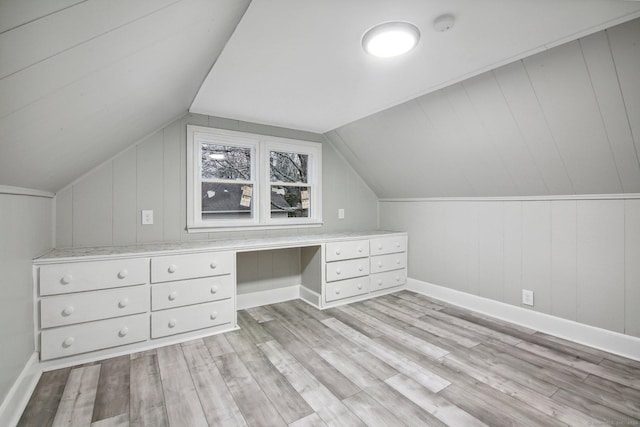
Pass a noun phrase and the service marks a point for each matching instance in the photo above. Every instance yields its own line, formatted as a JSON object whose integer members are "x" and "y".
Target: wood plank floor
{"x": 401, "y": 359}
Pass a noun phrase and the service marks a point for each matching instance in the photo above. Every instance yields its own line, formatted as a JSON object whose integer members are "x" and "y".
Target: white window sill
{"x": 206, "y": 229}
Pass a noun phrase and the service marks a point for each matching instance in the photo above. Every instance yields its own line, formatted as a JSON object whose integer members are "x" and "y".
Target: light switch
{"x": 147, "y": 217}
{"x": 340, "y": 213}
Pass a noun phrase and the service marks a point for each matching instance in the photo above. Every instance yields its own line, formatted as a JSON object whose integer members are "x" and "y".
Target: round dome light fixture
{"x": 390, "y": 39}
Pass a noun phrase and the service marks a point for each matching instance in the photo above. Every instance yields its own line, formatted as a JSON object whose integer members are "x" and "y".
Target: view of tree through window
{"x": 226, "y": 162}
{"x": 288, "y": 200}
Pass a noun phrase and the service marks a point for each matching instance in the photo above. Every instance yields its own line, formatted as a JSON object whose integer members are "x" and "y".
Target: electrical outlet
{"x": 527, "y": 297}
{"x": 340, "y": 213}
{"x": 147, "y": 217}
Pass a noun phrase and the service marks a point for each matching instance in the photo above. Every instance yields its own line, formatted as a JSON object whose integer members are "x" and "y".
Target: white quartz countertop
{"x": 244, "y": 245}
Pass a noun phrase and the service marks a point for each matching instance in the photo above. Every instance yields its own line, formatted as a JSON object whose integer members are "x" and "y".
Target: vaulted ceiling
{"x": 82, "y": 80}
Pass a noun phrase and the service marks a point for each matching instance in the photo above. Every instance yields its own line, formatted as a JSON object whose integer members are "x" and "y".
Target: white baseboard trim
{"x": 612, "y": 342}
{"x": 310, "y": 297}
{"x": 271, "y": 296}
{"x": 19, "y": 394}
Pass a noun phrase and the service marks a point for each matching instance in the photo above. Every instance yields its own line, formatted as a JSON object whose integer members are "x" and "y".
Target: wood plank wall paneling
{"x": 563, "y": 121}
{"x": 580, "y": 257}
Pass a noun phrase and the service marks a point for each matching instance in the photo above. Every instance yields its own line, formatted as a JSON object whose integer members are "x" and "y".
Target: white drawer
{"x": 388, "y": 245}
{"x": 184, "y": 319}
{"x": 388, "y": 279}
{"x": 346, "y": 288}
{"x": 194, "y": 291}
{"x": 388, "y": 262}
{"x": 346, "y": 250}
{"x": 76, "y": 339}
{"x": 88, "y": 306}
{"x": 87, "y": 276}
{"x": 341, "y": 270}
{"x": 192, "y": 266}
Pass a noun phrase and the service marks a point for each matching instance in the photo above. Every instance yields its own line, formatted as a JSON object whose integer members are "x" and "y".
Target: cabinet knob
{"x": 172, "y": 268}
{"x": 338, "y": 251}
{"x": 380, "y": 264}
{"x": 338, "y": 271}
{"x": 397, "y": 244}
{"x": 360, "y": 268}
{"x": 379, "y": 282}
{"x": 360, "y": 249}
{"x": 66, "y": 279}
{"x": 68, "y": 310}
{"x": 337, "y": 291}
{"x": 359, "y": 285}
{"x": 173, "y": 323}
{"x": 397, "y": 278}
{"x": 123, "y": 302}
{"x": 68, "y": 342}
{"x": 398, "y": 261}
{"x": 213, "y": 265}
{"x": 123, "y": 331}
{"x": 214, "y": 289}
{"x": 214, "y": 315}
{"x": 380, "y": 247}
{"x": 123, "y": 273}
{"x": 173, "y": 295}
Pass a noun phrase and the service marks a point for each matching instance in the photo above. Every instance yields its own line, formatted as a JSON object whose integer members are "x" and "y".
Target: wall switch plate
{"x": 527, "y": 297}
{"x": 340, "y": 213}
{"x": 147, "y": 217}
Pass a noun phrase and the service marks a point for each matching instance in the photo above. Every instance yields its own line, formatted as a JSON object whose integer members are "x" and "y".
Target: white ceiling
{"x": 82, "y": 80}
{"x": 299, "y": 64}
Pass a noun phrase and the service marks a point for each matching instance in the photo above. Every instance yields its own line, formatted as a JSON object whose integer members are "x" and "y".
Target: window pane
{"x": 227, "y": 201}
{"x": 288, "y": 167}
{"x": 225, "y": 162}
{"x": 290, "y": 202}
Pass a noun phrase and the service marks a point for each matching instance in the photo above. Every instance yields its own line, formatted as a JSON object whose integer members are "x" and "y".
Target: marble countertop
{"x": 154, "y": 249}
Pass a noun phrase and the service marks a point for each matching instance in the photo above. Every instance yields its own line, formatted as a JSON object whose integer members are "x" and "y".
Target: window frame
{"x": 261, "y": 146}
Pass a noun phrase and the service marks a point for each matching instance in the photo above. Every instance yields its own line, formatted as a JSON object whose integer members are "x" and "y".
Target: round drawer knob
{"x": 338, "y": 271}
{"x": 68, "y": 310}
{"x": 337, "y": 291}
{"x": 360, "y": 249}
{"x": 123, "y": 331}
{"x": 398, "y": 261}
{"x": 68, "y": 342}
{"x": 360, "y": 268}
{"x": 214, "y": 289}
{"x": 173, "y": 323}
{"x": 172, "y": 268}
{"x": 66, "y": 279}
{"x": 397, "y": 244}
{"x": 123, "y": 302}
{"x": 397, "y": 278}
{"x": 213, "y": 265}
{"x": 379, "y": 282}
{"x": 173, "y": 295}
{"x": 359, "y": 285}
{"x": 338, "y": 251}
{"x": 379, "y": 247}
{"x": 214, "y": 315}
{"x": 123, "y": 273}
{"x": 380, "y": 264}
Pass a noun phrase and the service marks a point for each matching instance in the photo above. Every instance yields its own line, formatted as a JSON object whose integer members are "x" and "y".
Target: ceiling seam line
{"x": 604, "y": 125}
{"x": 546, "y": 122}
{"x": 42, "y": 17}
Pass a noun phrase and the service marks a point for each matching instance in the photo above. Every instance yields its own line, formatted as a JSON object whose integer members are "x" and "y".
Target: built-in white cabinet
{"x": 93, "y": 303}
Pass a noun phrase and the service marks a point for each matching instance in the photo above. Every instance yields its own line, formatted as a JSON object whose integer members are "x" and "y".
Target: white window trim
{"x": 262, "y": 145}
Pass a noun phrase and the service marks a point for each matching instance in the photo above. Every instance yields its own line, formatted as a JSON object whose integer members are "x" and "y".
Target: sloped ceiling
{"x": 564, "y": 121}
{"x": 81, "y": 80}
{"x": 300, "y": 64}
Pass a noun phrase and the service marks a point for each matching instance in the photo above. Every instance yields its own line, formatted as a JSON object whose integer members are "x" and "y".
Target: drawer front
{"x": 338, "y": 251}
{"x": 341, "y": 270}
{"x": 388, "y": 245}
{"x": 192, "y": 266}
{"x": 388, "y": 262}
{"x": 89, "y": 276}
{"x": 194, "y": 291}
{"x": 88, "y": 306}
{"x": 76, "y": 339}
{"x": 184, "y": 319}
{"x": 388, "y": 279}
{"x": 346, "y": 288}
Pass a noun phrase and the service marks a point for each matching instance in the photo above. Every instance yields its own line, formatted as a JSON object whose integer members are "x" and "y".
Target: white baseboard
{"x": 19, "y": 394}
{"x": 310, "y": 297}
{"x": 271, "y": 296}
{"x": 612, "y": 342}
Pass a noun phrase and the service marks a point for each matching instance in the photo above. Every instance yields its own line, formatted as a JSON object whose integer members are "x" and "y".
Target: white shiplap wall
{"x": 564, "y": 121}
{"x": 103, "y": 207}
{"x": 580, "y": 257}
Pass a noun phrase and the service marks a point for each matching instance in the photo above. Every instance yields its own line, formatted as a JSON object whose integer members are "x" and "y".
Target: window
{"x": 240, "y": 180}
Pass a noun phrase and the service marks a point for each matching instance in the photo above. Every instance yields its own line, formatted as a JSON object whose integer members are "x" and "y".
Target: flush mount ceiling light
{"x": 390, "y": 39}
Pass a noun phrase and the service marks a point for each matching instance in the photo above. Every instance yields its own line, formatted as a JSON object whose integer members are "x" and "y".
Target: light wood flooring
{"x": 401, "y": 359}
